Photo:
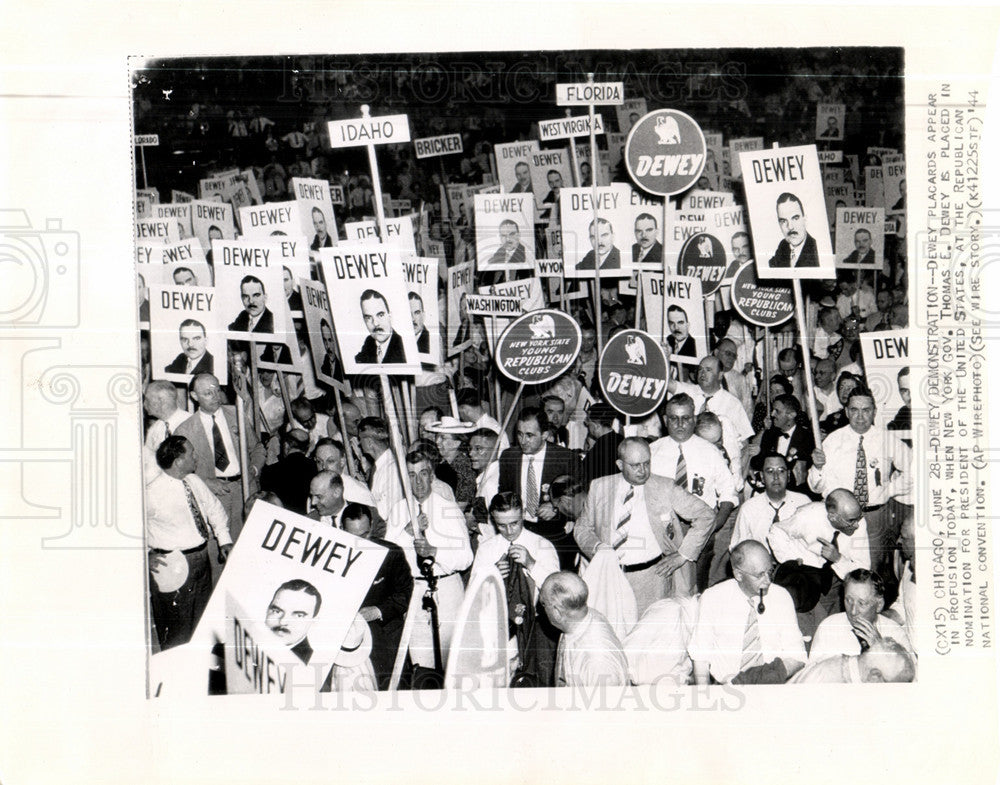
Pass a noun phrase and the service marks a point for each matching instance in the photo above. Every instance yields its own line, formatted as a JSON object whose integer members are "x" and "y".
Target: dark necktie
{"x": 725, "y": 384}
{"x": 221, "y": 460}
{"x": 620, "y": 534}
{"x": 681, "y": 475}
{"x": 199, "y": 519}
{"x": 166, "y": 430}
{"x": 777, "y": 509}
{"x": 704, "y": 406}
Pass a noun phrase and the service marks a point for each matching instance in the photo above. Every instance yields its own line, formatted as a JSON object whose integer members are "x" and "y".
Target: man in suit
{"x": 256, "y": 317}
{"x": 528, "y": 469}
{"x": 798, "y": 248}
{"x": 419, "y": 327}
{"x": 647, "y": 249}
{"x": 385, "y": 605}
{"x": 637, "y": 515}
{"x": 789, "y": 439}
{"x": 602, "y": 238}
{"x": 291, "y": 614}
{"x": 383, "y": 344}
{"x": 213, "y": 433}
{"x": 679, "y": 339}
{"x": 601, "y": 459}
{"x": 511, "y": 250}
{"x": 863, "y": 253}
{"x": 194, "y": 357}
{"x": 326, "y": 499}
{"x": 523, "y": 174}
{"x": 289, "y": 477}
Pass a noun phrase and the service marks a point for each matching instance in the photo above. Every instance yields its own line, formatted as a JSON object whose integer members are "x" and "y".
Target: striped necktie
{"x": 531, "y": 493}
{"x": 620, "y": 534}
{"x": 199, "y": 519}
{"x": 681, "y": 475}
{"x": 752, "y": 654}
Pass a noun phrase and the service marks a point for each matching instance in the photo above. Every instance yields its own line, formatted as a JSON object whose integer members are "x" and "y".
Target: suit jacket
{"x": 802, "y": 443}
{"x": 600, "y": 459}
{"x": 500, "y": 256}
{"x": 558, "y": 461}
{"x": 204, "y": 453}
{"x": 681, "y": 522}
{"x": 613, "y": 262}
{"x": 654, "y": 257}
{"x": 686, "y": 349}
{"x": 390, "y": 593}
{"x": 272, "y": 352}
{"x": 868, "y": 259}
{"x": 179, "y": 364}
{"x": 393, "y": 354}
{"x": 424, "y": 342}
{"x": 808, "y": 258}
{"x": 290, "y": 478}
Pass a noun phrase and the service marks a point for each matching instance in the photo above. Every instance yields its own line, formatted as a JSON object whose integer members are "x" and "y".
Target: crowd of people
{"x": 714, "y": 541}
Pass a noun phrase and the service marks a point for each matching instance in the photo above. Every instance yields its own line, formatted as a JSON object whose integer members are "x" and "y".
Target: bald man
{"x": 746, "y": 630}
{"x": 589, "y": 652}
{"x": 886, "y": 661}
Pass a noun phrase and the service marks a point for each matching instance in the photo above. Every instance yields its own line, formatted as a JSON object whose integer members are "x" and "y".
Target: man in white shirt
{"x": 862, "y": 623}
{"x": 827, "y": 332}
{"x": 304, "y": 417}
{"x": 855, "y": 299}
{"x": 756, "y": 515}
{"x": 159, "y": 401}
{"x": 181, "y": 514}
{"x": 589, "y": 652}
{"x": 438, "y": 537}
{"x": 696, "y": 466}
{"x": 825, "y": 387}
{"x": 745, "y": 624}
{"x": 733, "y": 379}
{"x": 386, "y": 488}
{"x": 877, "y": 466}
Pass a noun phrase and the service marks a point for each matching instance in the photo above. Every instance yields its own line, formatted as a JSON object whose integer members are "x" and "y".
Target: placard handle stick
{"x": 503, "y": 430}
{"x": 806, "y": 361}
{"x": 597, "y": 229}
{"x": 454, "y": 402}
{"x": 444, "y": 183}
{"x": 767, "y": 370}
{"x": 283, "y": 383}
{"x": 397, "y": 447}
{"x": 142, "y": 158}
{"x": 348, "y": 451}
{"x": 409, "y": 410}
{"x": 254, "y": 378}
{"x": 241, "y": 428}
{"x": 638, "y": 299}
{"x": 416, "y": 598}
{"x": 577, "y": 180}
{"x": 376, "y": 181}
{"x": 497, "y": 390}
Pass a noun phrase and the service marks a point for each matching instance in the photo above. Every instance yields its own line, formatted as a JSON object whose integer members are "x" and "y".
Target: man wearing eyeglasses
{"x": 696, "y": 465}
{"x": 876, "y": 465}
{"x": 746, "y": 631}
{"x": 776, "y": 503}
{"x": 816, "y": 548}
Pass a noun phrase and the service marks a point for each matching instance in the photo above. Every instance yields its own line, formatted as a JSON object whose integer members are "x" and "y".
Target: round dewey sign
{"x": 704, "y": 257}
{"x": 538, "y": 347}
{"x": 633, "y": 373}
{"x": 766, "y": 305}
{"x": 665, "y": 152}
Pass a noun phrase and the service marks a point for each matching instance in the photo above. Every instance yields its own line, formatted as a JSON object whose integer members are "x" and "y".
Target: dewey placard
{"x": 538, "y": 347}
{"x": 665, "y": 152}
{"x": 633, "y": 373}
{"x": 388, "y": 129}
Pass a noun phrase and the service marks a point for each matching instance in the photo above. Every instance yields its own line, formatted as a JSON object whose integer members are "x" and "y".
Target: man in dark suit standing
{"x": 289, "y": 477}
{"x": 194, "y": 357}
{"x": 798, "y": 249}
{"x": 511, "y": 250}
{"x": 383, "y": 344}
{"x": 385, "y": 605}
{"x": 647, "y": 249}
{"x": 602, "y": 238}
{"x": 788, "y": 438}
{"x": 528, "y": 469}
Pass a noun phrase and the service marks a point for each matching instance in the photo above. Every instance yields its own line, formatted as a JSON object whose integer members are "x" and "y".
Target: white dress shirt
{"x": 754, "y": 518}
{"x": 798, "y": 538}
{"x": 640, "y": 545}
{"x": 703, "y": 460}
{"x": 494, "y": 548}
{"x": 835, "y": 636}
{"x": 170, "y": 523}
{"x": 722, "y": 403}
{"x": 722, "y": 619}
{"x": 883, "y": 450}
{"x": 446, "y": 531}
{"x": 387, "y": 489}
